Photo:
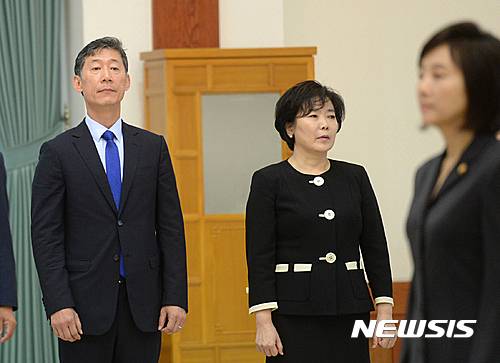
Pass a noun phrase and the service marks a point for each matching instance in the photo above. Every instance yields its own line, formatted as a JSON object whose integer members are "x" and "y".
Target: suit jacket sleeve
{"x": 8, "y": 296}
{"x": 373, "y": 242}
{"x": 485, "y": 345}
{"x": 47, "y": 231}
{"x": 170, "y": 234}
{"x": 261, "y": 241}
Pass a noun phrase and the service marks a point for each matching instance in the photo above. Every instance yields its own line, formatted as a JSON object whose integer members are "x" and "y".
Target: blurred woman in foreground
{"x": 454, "y": 221}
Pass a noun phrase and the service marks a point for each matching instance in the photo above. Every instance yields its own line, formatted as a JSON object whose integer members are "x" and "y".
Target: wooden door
{"x": 177, "y": 83}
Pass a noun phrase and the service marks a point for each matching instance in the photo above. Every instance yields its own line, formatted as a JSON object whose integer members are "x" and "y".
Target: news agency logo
{"x": 414, "y": 328}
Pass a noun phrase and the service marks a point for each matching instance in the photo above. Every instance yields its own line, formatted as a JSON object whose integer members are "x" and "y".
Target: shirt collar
{"x": 96, "y": 129}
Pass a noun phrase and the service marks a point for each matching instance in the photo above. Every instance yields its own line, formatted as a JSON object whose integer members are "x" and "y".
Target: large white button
{"x": 318, "y": 181}
{"x": 330, "y": 257}
{"x": 328, "y": 214}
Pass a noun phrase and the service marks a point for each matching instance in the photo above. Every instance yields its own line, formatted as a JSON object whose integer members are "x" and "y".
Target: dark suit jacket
{"x": 77, "y": 231}
{"x": 8, "y": 296}
{"x": 455, "y": 240}
{"x": 283, "y": 227}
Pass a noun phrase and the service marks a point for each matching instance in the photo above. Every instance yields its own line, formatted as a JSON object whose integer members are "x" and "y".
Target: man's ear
{"x": 128, "y": 82}
{"x": 77, "y": 84}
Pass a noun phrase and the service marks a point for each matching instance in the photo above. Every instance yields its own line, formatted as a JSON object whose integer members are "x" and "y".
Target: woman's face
{"x": 316, "y": 131}
{"x": 441, "y": 89}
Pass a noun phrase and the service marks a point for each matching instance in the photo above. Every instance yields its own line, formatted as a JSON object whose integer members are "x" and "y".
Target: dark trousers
{"x": 123, "y": 343}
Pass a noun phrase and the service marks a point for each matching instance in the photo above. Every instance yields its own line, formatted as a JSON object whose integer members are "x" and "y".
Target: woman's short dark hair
{"x": 299, "y": 101}
{"x": 477, "y": 54}
{"x": 97, "y": 45}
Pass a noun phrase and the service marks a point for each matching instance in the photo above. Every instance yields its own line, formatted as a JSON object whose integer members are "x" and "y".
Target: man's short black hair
{"x": 299, "y": 101}
{"x": 477, "y": 54}
{"x": 95, "y": 46}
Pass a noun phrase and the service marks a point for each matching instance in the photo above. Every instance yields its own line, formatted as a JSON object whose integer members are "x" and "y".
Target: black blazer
{"x": 77, "y": 231}
{"x": 8, "y": 296}
{"x": 455, "y": 240}
{"x": 284, "y": 227}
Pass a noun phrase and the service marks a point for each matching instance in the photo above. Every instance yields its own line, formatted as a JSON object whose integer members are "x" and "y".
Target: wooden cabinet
{"x": 219, "y": 328}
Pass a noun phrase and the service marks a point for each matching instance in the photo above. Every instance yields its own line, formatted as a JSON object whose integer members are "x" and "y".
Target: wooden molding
{"x": 234, "y": 53}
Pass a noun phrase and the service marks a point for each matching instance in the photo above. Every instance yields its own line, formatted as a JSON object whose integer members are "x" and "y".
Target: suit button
{"x": 318, "y": 181}
{"x": 330, "y": 257}
{"x": 120, "y": 223}
{"x": 116, "y": 258}
{"x": 328, "y": 214}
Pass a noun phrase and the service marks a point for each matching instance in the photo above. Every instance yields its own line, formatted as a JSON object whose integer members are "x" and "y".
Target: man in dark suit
{"x": 107, "y": 228}
{"x": 8, "y": 299}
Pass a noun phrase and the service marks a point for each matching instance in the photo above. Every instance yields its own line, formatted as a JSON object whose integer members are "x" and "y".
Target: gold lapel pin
{"x": 462, "y": 168}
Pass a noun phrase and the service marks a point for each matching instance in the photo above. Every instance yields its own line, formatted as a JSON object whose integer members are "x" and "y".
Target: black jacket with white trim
{"x": 304, "y": 234}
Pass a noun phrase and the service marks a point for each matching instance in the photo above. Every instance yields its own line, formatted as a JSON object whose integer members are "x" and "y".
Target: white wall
{"x": 368, "y": 52}
{"x": 250, "y": 24}
{"x": 131, "y": 22}
{"x": 74, "y": 42}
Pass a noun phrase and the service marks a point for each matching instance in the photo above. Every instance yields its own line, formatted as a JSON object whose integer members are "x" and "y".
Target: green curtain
{"x": 30, "y": 113}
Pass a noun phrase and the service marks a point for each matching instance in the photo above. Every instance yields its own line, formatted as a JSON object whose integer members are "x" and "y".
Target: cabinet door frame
{"x": 174, "y": 82}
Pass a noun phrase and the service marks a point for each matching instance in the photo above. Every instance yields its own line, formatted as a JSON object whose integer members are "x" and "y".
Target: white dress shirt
{"x": 96, "y": 130}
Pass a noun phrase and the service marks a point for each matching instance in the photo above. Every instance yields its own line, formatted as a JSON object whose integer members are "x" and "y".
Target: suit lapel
{"x": 423, "y": 194}
{"x": 83, "y": 142}
{"x": 464, "y": 164}
{"x": 416, "y": 220}
{"x": 131, "y": 157}
{"x": 423, "y": 188}
{"x": 428, "y": 179}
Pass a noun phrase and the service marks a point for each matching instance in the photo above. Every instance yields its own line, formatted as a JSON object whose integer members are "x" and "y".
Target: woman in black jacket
{"x": 454, "y": 221}
{"x": 307, "y": 219}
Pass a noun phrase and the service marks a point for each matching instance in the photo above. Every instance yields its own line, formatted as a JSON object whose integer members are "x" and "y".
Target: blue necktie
{"x": 113, "y": 172}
